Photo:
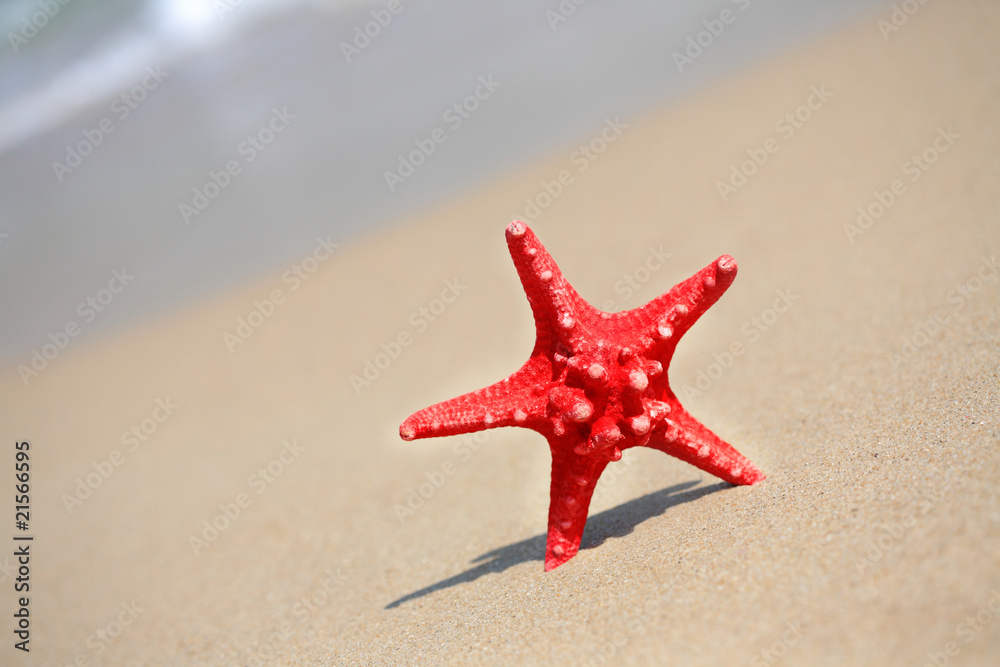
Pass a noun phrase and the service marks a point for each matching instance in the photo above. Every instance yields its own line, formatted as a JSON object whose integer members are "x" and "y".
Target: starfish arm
{"x": 509, "y": 402}
{"x": 673, "y": 313}
{"x": 686, "y": 438}
{"x": 557, "y": 307}
{"x": 573, "y": 480}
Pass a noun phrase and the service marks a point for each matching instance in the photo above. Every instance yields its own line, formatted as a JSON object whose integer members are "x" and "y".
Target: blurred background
{"x": 118, "y": 120}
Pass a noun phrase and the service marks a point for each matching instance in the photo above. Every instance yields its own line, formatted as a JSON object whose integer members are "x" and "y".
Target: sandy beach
{"x": 225, "y": 484}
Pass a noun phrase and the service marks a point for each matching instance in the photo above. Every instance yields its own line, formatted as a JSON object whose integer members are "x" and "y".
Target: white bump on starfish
{"x": 532, "y": 252}
{"x": 605, "y": 434}
{"x": 638, "y": 380}
{"x": 557, "y": 427}
{"x": 520, "y": 416}
{"x": 488, "y": 419}
{"x": 639, "y": 425}
{"x": 557, "y": 550}
{"x": 657, "y": 408}
{"x": 565, "y": 526}
{"x": 664, "y": 331}
{"x": 654, "y": 368}
{"x": 597, "y": 372}
{"x": 566, "y": 322}
{"x": 616, "y": 454}
{"x": 735, "y": 472}
{"x": 704, "y": 451}
{"x": 546, "y": 276}
{"x": 680, "y": 309}
{"x": 709, "y": 281}
{"x": 581, "y": 411}
{"x": 517, "y": 229}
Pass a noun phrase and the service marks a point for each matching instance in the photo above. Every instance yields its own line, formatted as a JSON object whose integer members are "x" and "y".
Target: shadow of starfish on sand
{"x": 615, "y": 522}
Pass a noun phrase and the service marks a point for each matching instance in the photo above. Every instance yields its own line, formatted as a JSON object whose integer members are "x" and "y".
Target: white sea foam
{"x": 166, "y": 31}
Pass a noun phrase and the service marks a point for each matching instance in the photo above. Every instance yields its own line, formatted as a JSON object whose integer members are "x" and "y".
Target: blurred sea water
{"x": 184, "y": 84}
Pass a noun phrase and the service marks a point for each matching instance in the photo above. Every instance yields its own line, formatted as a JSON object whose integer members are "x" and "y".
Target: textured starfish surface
{"x": 595, "y": 384}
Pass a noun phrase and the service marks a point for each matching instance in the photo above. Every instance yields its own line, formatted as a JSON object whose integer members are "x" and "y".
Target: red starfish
{"x": 595, "y": 384}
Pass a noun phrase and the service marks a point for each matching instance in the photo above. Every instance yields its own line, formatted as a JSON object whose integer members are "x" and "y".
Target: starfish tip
{"x": 557, "y": 556}
{"x": 726, "y": 264}
{"x": 516, "y": 229}
{"x": 407, "y": 431}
